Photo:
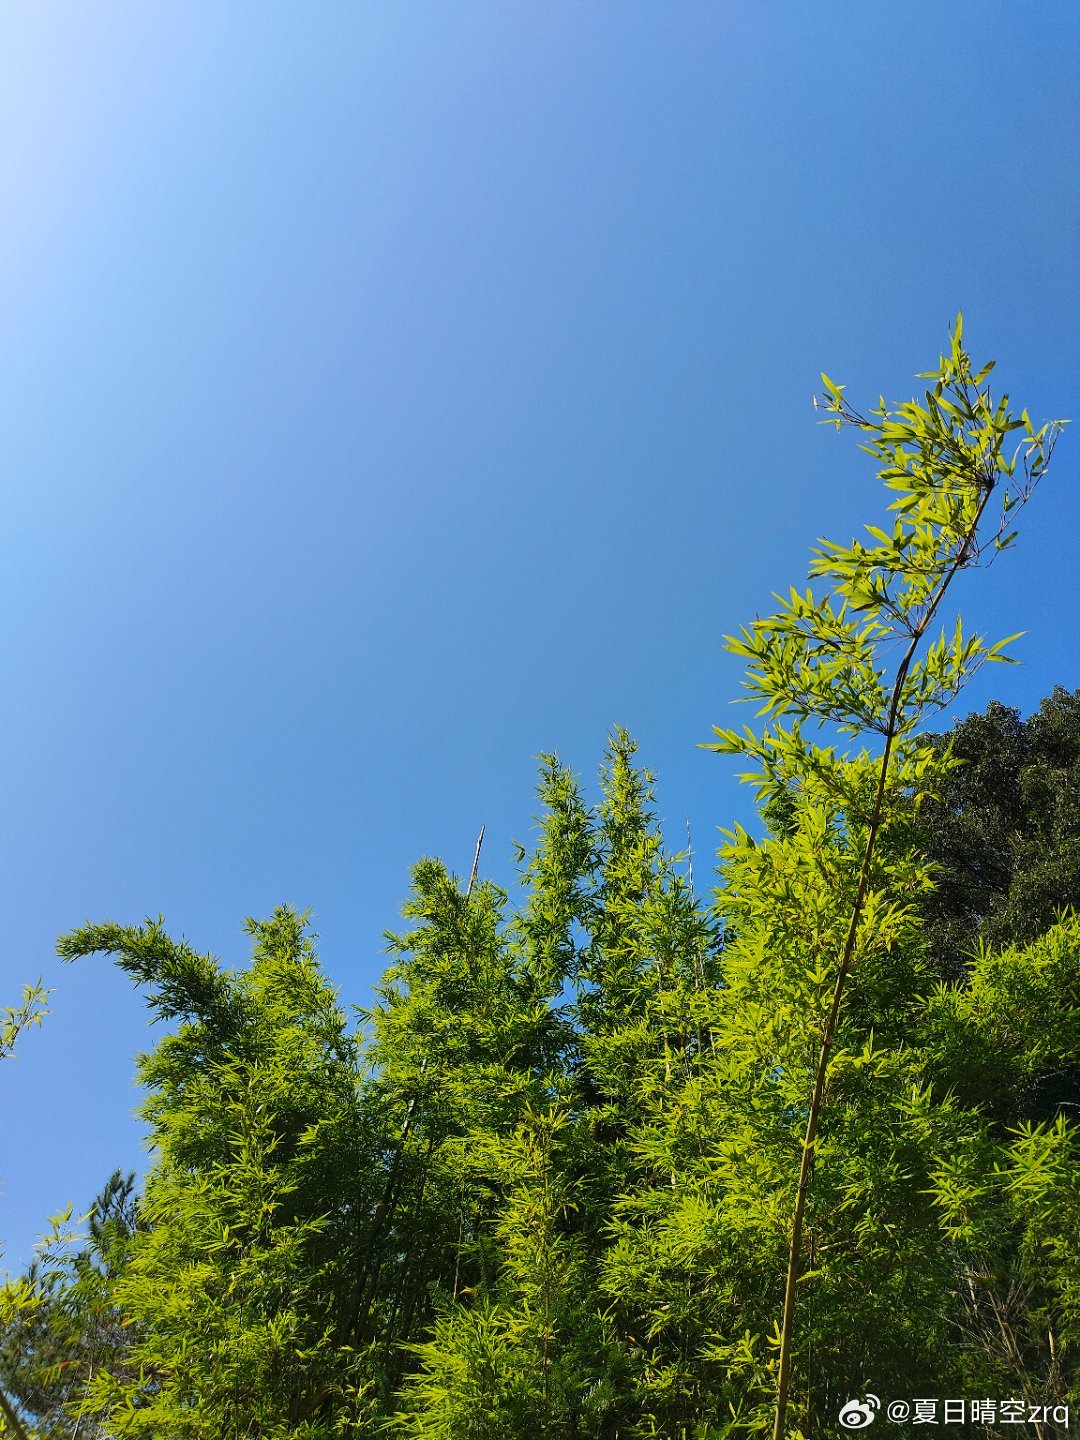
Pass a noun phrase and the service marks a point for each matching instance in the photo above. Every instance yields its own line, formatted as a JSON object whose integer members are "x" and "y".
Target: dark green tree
{"x": 61, "y": 1324}
{"x": 1004, "y": 828}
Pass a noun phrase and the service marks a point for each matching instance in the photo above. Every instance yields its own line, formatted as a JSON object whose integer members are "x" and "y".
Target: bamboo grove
{"x": 616, "y": 1159}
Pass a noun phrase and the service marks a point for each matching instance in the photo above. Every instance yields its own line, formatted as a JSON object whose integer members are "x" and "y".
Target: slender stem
{"x": 384, "y": 1213}
{"x": 829, "y": 1033}
{"x": 82, "y": 1413}
{"x": 476, "y": 861}
{"x": 12, "y": 1419}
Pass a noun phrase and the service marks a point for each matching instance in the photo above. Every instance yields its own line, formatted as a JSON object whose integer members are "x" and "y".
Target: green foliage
{"x": 240, "y": 1280}
{"x": 858, "y": 659}
{"x": 61, "y": 1323}
{"x": 1004, "y": 826}
{"x": 1002, "y": 1046}
{"x": 533, "y": 1354}
{"x": 15, "y": 1019}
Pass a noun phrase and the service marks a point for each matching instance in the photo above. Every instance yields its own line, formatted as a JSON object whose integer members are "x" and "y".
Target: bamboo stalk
{"x": 829, "y": 1032}
{"x": 11, "y": 1419}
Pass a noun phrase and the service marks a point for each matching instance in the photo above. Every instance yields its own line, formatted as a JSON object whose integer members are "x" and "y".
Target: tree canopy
{"x": 565, "y": 1176}
{"x": 1004, "y": 827}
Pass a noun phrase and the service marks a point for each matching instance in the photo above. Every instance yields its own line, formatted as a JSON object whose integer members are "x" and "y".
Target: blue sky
{"x": 392, "y": 392}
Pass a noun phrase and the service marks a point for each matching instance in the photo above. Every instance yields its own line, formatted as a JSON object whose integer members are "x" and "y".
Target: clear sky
{"x": 391, "y": 392}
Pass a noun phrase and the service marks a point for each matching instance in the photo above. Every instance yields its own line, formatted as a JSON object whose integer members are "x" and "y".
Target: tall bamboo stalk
{"x": 829, "y": 1032}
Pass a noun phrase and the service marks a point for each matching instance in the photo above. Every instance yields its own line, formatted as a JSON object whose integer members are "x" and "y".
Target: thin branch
{"x": 476, "y": 861}
{"x": 12, "y": 1419}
